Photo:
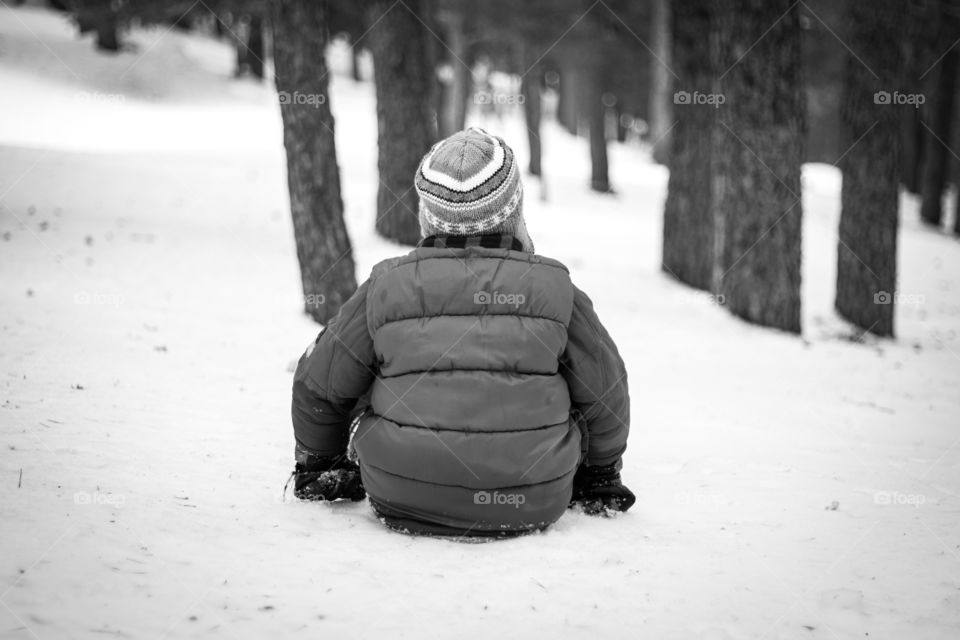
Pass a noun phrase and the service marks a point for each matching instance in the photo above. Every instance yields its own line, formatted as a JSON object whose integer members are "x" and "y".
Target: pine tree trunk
{"x": 956, "y": 221}
{"x": 106, "y": 24}
{"x": 937, "y": 161}
{"x": 688, "y": 226}
{"x": 255, "y": 52}
{"x": 567, "y": 102}
{"x": 455, "y": 109}
{"x": 867, "y": 247}
{"x": 355, "y": 63}
{"x": 406, "y": 122}
{"x": 219, "y": 28}
{"x": 323, "y": 247}
{"x": 619, "y": 110}
{"x": 758, "y": 150}
{"x": 530, "y": 90}
{"x": 912, "y": 144}
{"x": 596, "y": 130}
{"x": 661, "y": 112}
{"x": 920, "y": 56}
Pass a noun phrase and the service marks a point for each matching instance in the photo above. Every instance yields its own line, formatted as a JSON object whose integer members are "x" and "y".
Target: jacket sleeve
{"x": 597, "y": 380}
{"x": 336, "y": 370}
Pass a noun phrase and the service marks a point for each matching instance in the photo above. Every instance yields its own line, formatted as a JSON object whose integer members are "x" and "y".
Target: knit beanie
{"x": 469, "y": 185}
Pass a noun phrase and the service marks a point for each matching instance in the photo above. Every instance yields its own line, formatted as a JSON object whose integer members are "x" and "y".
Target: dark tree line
{"x": 732, "y": 218}
{"x": 798, "y": 82}
{"x": 241, "y": 22}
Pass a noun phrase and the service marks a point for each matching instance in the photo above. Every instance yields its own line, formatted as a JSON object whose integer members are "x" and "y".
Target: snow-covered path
{"x": 787, "y": 487}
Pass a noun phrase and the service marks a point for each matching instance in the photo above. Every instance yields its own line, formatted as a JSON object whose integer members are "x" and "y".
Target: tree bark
{"x": 913, "y": 141}
{"x": 107, "y": 38}
{"x": 530, "y": 90}
{"x": 661, "y": 111}
{"x": 567, "y": 102}
{"x": 255, "y": 52}
{"x": 323, "y": 247}
{"x": 458, "y": 93}
{"x": 758, "y": 150}
{"x": 919, "y": 57}
{"x": 104, "y": 22}
{"x": 406, "y": 122}
{"x": 619, "y": 111}
{"x": 867, "y": 246}
{"x": 956, "y": 221}
{"x": 595, "y": 112}
{"x": 937, "y": 161}
{"x": 355, "y": 63}
{"x": 688, "y": 225}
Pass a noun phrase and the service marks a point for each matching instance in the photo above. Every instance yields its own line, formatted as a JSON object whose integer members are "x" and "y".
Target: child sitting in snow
{"x": 493, "y": 397}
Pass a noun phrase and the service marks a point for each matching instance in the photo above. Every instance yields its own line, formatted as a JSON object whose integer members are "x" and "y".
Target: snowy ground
{"x": 787, "y": 487}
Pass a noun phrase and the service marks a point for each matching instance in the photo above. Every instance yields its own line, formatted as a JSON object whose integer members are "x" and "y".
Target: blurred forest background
{"x": 733, "y": 96}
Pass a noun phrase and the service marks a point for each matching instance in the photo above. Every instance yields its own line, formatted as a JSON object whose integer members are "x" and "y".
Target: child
{"x": 496, "y": 397}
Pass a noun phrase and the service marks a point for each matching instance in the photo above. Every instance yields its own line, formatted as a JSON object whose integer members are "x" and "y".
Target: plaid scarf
{"x": 487, "y": 241}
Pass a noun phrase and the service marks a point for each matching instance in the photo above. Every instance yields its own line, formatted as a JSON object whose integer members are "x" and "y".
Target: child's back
{"x": 491, "y": 381}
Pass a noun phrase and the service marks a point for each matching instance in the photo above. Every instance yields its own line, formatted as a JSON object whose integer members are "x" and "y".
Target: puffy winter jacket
{"x": 490, "y": 380}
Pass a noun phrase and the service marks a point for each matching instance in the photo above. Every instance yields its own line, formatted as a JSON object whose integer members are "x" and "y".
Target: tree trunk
{"x": 867, "y": 246}
{"x": 530, "y": 90}
{"x": 688, "y": 225}
{"x": 660, "y": 96}
{"x": 956, "y": 221}
{"x": 255, "y": 52}
{"x": 937, "y": 161}
{"x": 323, "y": 247}
{"x": 103, "y": 21}
{"x": 219, "y": 28}
{"x": 912, "y": 142}
{"x": 568, "y": 98}
{"x": 458, "y": 94}
{"x": 404, "y": 77}
{"x": 597, "y": 131}
{"x": 758, "y": 150}
{"x": 920, "y": 55}
{"x": 619, "y": 111}
{"x": 355, "y": 63}
{"x": 107, "y": 38}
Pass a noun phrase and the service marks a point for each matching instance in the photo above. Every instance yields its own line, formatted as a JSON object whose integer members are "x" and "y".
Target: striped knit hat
{"x": 469, "y": 185}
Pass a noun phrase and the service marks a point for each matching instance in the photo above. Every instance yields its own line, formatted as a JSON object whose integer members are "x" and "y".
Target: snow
{"x": 788, "y": 487}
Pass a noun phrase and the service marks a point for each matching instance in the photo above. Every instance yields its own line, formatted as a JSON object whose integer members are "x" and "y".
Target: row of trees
{"x": 409, "y": 41}
{"x": 732, "y": 218}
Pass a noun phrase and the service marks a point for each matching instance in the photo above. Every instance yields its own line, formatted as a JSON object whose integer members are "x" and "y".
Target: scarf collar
{"x": 487, "y": 241}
